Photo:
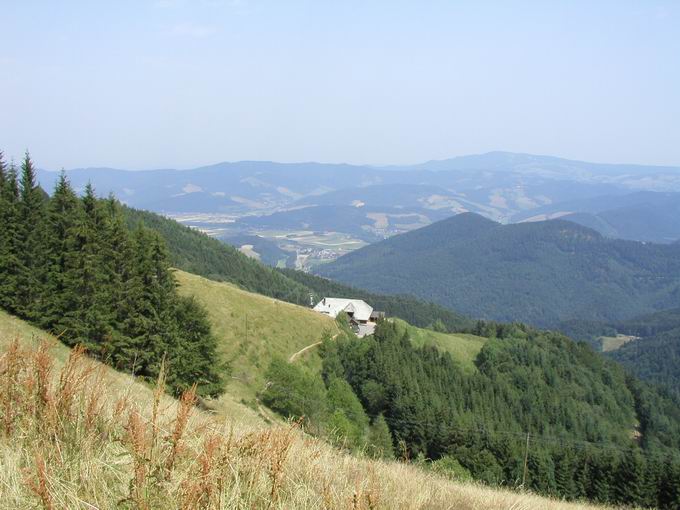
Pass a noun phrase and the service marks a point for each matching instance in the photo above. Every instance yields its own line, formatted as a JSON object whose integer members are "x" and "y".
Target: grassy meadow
{"x": 252, "y": 329}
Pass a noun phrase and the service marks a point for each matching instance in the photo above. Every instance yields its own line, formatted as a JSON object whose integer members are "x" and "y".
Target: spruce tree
{"x": 63, "y": 215}
{"x": 9, "y": 237}
{"x": 669, "y": 484}
{"x": 380, "y": 439}
{"x": 161, "y": 288}
{"x": 87, "y": 323}
{"x": 630, "y": 486}
{"x": 140, "y": 343}
{"x": 118, "y": 260}
{"x": 193, "y": 358}
{"x": 565, "y": 470}
{"x": 30, "y": 217}
{"x": 602, "y": 480}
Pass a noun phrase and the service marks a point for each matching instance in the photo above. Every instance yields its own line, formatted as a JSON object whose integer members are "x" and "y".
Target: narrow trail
{"x": 296, "y": 355}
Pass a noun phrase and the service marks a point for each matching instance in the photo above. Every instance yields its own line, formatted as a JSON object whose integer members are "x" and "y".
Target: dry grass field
{"x": 77, "y": 435}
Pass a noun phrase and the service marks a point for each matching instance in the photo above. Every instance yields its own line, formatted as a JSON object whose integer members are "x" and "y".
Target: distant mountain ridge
{"x": 318, "y": 211}
{"x": 497, "y": 183}
{"x": 542, "y": 273}
{"x": 642, "y": 216}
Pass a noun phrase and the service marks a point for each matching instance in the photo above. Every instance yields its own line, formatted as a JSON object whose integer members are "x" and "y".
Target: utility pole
{"x": 526, "y": 459}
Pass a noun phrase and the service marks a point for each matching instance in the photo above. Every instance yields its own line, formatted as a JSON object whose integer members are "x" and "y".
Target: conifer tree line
{"x": 580, "y": 408}
{"x": 70, "y": 265}
{"x": 581, "y": 411}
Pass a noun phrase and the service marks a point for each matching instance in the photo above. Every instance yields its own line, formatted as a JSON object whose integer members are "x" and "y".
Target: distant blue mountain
{"x": 641, "y": 216}
{"x": 497, "y": 184}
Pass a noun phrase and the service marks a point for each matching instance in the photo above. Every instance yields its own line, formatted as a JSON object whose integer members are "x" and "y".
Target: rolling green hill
{"x": 542, "y": 273}
{"x": 279, "y": 329}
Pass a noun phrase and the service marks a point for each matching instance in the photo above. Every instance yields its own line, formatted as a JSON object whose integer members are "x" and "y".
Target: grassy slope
{"x": 11, "y": 328}
{"x": 245, "y": 464}
{"x": 275, "y": 328}
{"x": 463, "y": 348}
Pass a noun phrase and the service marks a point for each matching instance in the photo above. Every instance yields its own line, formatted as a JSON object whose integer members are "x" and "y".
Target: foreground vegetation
{"x": 75, "y": 434}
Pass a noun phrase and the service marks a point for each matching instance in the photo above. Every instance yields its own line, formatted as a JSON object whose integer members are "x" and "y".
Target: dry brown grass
{"x": 81, "y": 436}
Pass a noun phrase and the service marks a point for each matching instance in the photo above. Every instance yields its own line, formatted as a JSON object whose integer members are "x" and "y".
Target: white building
{"x": 362, "y": 318}
{"x": 358, "y": 311}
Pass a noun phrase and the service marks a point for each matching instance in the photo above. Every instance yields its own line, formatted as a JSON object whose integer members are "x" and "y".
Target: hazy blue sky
{"x": 180, "y": 83}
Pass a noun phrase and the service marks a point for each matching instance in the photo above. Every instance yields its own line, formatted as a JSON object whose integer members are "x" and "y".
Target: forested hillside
{"x": 655, "y": 358}
{"x": 71, "y": 266}
{"x": 543, "y": 273}
{"x": 197, "y": 253}
{"x": 586, "y": 428}
{"x": 648, "y": 345}
{"x": 655, "y": 355}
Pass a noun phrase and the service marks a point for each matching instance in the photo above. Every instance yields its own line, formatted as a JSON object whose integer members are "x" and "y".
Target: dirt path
{"x": 305, "y": 349}
{"x": 302, "y": 351}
